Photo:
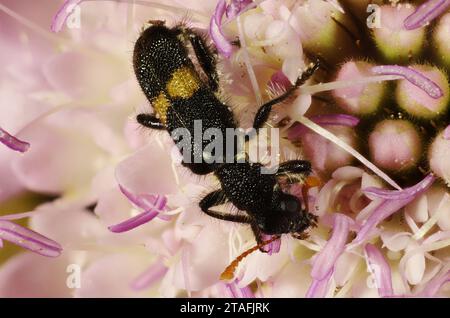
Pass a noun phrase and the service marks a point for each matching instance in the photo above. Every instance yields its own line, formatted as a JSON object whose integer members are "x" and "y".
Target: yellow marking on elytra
{"x": 161, "y": 104}
{"x": 184, "y": 83}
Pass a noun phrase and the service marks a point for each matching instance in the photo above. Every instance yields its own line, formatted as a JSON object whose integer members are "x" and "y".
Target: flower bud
{"x": 326, "y": 156}
{"x": 395, "y": 145}
{"x": 438, "y": 155}
{"x": 324, "y": 30}
{"x": 441, "y": 36}
{"x": 359, "y": 99}
{"x": 394, "y": 42}
{"x": 435, "y": 196}
{"x": 417, "y": 101}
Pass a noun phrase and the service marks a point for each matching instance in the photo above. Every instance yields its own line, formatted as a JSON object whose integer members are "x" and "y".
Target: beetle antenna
{"x": 228, "y": 273}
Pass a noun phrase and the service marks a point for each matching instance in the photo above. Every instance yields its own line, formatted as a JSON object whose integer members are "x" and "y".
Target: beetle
{"x": 182, "y": 92}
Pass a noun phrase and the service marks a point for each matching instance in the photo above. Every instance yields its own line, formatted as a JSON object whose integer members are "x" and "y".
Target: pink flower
{"x": 124, "y": 220}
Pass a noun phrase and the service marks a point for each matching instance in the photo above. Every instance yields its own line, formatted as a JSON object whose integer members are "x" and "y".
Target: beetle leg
{"x": 216, "y": 198}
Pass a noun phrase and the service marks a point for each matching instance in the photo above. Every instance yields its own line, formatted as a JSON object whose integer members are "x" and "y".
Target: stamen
{"x": 380, "y": 269}
{"x": 250, "y": 71}
{"x": 414, "y": 77}
{"x": 185, "y": 266}
{"x": 148, "y": 278}
{"x": 425, "y": 13}
{"x": 387, "y": 207}
{"x": 333, "y": 138}
{"x": 297, "y": 131}
{"x": 407, "y": 193}
{"x": 13, "y": 142}
{"x": 29, "y": 239}
{"x": 323, "y": 87}
{"x": 152, "y": 205}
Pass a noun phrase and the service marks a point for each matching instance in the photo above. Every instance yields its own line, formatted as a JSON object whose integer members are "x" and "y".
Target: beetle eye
{"x": 290, "y": 204}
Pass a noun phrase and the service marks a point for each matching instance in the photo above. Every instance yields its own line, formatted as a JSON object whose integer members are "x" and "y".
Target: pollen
{"x": 160, "y": 105}
{"x": 184, "y": 83}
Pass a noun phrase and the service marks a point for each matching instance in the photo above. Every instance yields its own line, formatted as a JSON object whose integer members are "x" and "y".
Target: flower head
{"x": 120, "y": 207}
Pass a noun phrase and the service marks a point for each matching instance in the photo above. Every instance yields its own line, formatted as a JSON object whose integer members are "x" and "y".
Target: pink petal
{"x": 202, "y": 261}
{"x": 262, "y": 266}
{"x": 279, "y": 80}
{"x": 148, "y": 278}
{"x": 10, "y": 185}
{"x": 336, "y": 119}
{"x": 185, "y": 267}
{"x": 29, "y": 239}
{"x": 222, "y": 44}
{"x": 271, "y": 248}
{"x": 134, "y": 222}
{"x": 70, "y": 73}
{"x": 330, "y": 219}
{"x": 433, "y": 287}
{"x": 345, "y": 268}
{"x": 149, "y": 170}
{"x": 31, "y": 275}
{"x": 414, "y": 77}
{"x": 425, "y": 13}
{"x": 408, "y": 193}
{"x": 235, "y": 7}
{"x": 233, "y": 290}
{"x": 63, "y": 156}
{"x": 324, "y": 261}
{"x": 393, "y": 201}
{"x": 71, "y": 227}
{"x": 17, "y": 216}
{"x": 63, "y": 13}
{"x": 145, "y": 201}
{"x": 347, "y": 173}
{"x": 13, "y": 142}
{"x": 319, "y": 288}
{"x": 380, "y": 268}
{"x": 152, "y": 204}
{"x": 286, "y": 282}
{"x": 111, "y": 275}
{"x": 385, "y": 209}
